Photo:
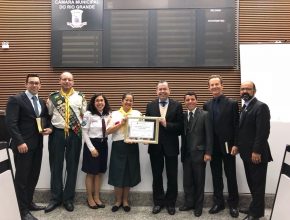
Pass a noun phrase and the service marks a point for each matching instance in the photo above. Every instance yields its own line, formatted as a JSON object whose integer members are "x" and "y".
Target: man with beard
{"x": 254, "y": 130}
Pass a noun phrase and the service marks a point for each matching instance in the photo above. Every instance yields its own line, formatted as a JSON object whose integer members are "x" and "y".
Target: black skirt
{"x": 95, "y": 165}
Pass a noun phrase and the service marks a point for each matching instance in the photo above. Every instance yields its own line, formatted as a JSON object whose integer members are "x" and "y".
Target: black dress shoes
{"x": 156, "y": 209}
{"x": 101, "y": 206}
{"x": 244, "y": 210}
{"x": 216, "y": 209}
{"x": 127, "y": 208}
{"x": 34, "y": 207}
{"x": 51, "y": 206}
{"x": 92, "y": 206}
{"x": 234, "y": 212}
{"x": 170, "y": 210}
{"x": 115, "y": 208}
{"x": 28, "y": 216}
{"x": 197, "y": 212}
{"x": 69, "y": 206}
{"x": 249, "y": 217}
{"x": 185, "y": 208}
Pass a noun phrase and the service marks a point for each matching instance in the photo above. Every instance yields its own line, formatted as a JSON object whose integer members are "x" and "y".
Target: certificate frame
{"x": 143, "y": 129}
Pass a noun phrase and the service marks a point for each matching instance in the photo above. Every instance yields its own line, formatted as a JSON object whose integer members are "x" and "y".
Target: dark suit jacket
{"x": 168, "y": 137}
{"x": 228, "y": 121}
{"x": 254, "y": 131}
{"x": 21, "y": 121}
{"x": 198, "y": 139}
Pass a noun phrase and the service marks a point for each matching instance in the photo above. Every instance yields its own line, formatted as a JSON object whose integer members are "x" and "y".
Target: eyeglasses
{"x": 246, "y": 89}
{"x": 33, "y": 83}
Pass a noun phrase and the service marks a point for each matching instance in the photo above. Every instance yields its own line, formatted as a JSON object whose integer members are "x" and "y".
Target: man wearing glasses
{"x": 22, "y": 112}
{"x": 254, "y": 130}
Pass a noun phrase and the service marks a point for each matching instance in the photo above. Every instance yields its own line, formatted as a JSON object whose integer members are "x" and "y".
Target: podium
{"x": 281, "y": 202}
{"x": 8, "y": 201}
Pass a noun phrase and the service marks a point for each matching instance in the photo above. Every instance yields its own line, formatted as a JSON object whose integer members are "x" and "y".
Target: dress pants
{"x": 157, "y": 164}
{"x": 193, "y": 183}
{"x": 27, "y": 167}
{"x": 256, "y": 178}
{"x": 218, "y": 160}
{"x": 61, "y": 147}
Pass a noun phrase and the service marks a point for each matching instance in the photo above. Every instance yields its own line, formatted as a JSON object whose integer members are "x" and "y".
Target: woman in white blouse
{"x": 95, "y": 152}
{"x": 124, "y": 170}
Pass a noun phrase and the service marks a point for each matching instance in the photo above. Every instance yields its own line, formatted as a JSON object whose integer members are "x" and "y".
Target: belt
{"x": 100, "y": 139}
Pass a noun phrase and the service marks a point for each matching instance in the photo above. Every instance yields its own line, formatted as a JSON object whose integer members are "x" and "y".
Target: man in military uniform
{"x": 66, "y": 107}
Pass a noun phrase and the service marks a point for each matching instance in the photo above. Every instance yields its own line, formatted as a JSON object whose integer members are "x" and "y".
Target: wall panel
{"x": 26, "y": 25}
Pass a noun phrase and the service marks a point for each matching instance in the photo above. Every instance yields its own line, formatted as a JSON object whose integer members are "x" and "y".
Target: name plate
{"x": 142, "y": 129}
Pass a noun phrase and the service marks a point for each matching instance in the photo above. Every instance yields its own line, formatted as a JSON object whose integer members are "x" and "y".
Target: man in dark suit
{"x": 167, "y": 148}
{"x": 224, "y": 114}
{"x": 27, "y": 142}
{"x": 196, "y": 150}
{"x": 254, "y": 147}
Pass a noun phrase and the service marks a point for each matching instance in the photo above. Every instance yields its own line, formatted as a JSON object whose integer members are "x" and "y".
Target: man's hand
{"x": 22, "y": 148}
{"x": 46, "y": 131}
{"x": 163, "y": 122}
{"x": 256, "y": 158}
{"x": 207, "y": 157}
{"x": 234, "y": 151}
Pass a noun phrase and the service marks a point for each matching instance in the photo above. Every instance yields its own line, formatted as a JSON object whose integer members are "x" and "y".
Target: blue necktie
{"x": 34, "y": 99}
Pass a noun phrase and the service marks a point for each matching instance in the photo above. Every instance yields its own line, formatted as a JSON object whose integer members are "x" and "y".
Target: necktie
{"x": 243, "y": 111}
{"x": 34, "y": 99}
{"x": 190, "y": 120}
{"x": 103, "y": 127}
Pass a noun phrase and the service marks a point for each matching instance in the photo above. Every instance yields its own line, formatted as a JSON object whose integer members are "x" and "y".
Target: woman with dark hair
{"x": 95, "y": 152}
{"x": 124, "y": 170}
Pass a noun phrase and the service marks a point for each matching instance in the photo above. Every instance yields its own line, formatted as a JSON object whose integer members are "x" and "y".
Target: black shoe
{"x": 34, "y": 207}
{"x": 51, "y": 206}
{"x": 69, "y": 206}
{"x": 234, "y": 212}
{"x": 249, "y": 217}
{"x": 156, "y": 209}
{"x": 92, "y": 206}
{"x": 197, "y": 212}
{"x": 101, "y": 206}
{"x": 115, "y": 208}
{"x": 185, "y": 208}
{"x": 28, "y": 216}
{"x": 244, "y": 210}
{"x": 170, "y": 210}
{"x": 216, "y": 209}
{"x": 127, "y": 208}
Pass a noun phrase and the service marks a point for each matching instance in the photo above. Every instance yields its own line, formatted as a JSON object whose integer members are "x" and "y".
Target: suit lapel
{"x": 156, "y": 108}
{"x": 28, "y": 103}
{"x": 249, "y": 107}
{"x": 185, "y": 120}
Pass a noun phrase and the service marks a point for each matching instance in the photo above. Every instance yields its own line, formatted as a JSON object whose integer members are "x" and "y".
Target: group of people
{"x": 216, "y": 133}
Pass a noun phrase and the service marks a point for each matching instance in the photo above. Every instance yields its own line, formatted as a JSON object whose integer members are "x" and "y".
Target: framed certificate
{"x": 142, "y": 129}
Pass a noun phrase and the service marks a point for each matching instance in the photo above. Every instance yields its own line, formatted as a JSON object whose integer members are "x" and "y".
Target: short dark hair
{"x": 127, "y": 93}
{"x": 162, "y": 81}
{"x": 31, "y": 75}
{"x": 191, "y": 93}
{"x": 92, "y": 108}
{"x": 215, "y": 76}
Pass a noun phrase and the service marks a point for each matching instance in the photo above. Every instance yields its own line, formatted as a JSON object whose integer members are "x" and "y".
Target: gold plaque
{"x": 142, "y": 129}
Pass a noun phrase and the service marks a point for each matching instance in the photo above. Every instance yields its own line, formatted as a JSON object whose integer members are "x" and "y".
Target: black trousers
{"x": 220, "y": 160}
{"x": 193, "y": 183}
{"x": 60, "y": 148}
{"x": 27, "y": 167}
{"x": 256, "y": 178}
{"x": 157, "y": 164}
